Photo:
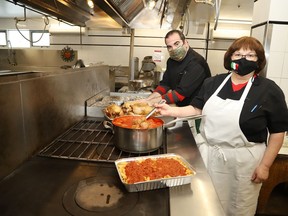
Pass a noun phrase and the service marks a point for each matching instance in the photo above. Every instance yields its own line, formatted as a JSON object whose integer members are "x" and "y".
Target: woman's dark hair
{"x": 246, "y": 43}
{"x": 175, "y": 31}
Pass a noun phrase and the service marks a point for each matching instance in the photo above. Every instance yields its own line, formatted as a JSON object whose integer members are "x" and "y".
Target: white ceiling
{"x": 230, "y": 10}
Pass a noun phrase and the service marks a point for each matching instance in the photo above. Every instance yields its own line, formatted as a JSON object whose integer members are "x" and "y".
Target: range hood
{"x": 76, "y": 12}
{"x": 137, "y": 14}
{"x": 124, "y": 13}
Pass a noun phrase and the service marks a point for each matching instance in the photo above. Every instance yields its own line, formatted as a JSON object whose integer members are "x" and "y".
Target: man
{"x": 185, "y": 72}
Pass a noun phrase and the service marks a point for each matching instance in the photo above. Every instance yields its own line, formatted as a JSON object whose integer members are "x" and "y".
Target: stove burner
{"x": 94, "y": 196}
{"x": 97, "y": 195}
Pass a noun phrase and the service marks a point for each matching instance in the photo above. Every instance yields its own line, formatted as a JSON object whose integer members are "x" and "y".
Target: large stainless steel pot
{"x": 141, "y": 140}
{"x": 137, "y": 140}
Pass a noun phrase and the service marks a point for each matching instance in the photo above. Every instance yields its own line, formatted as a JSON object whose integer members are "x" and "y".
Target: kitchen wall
{"x": 38, "y": 59}
{"x": 112, "y": 46}
{"x": 270, "y": 26}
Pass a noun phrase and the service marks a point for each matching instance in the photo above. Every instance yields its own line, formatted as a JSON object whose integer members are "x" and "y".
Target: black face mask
{"x": 243, "y": 66}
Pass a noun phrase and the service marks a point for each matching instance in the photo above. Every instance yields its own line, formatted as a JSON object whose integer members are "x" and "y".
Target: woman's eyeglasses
{"x": 247, "y": 56}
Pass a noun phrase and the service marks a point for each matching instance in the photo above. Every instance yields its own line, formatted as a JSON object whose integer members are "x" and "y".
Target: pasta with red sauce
{"x": 151, "y": 169}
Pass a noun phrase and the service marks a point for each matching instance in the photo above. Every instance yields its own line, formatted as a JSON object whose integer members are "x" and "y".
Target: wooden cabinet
{"x": 278, "y": 174}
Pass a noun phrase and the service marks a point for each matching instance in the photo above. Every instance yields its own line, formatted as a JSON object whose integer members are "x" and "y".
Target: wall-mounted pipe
{"x": 131, "y": 56}
{"x": 217, "y": 9}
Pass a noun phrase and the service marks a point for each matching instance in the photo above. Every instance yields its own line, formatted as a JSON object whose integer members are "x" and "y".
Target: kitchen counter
{"x": 199, "y": 198}
{"x": 24, "y": 73}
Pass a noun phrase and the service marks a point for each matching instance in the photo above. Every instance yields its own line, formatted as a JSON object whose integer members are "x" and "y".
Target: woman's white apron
{"x": 229, "y": 157}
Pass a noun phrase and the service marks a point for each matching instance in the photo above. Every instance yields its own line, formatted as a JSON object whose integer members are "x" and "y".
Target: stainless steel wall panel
{"x": 12, "y": 143}
{"x": 35, "y": 111}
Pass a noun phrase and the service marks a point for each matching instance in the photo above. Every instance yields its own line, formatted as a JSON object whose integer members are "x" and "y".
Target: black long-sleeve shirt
{"x": 184, "y": 78}
{"x": 264, "y": 108}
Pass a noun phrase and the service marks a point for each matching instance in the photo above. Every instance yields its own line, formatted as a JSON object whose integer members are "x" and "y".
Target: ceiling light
{"x": 90, "y": 3}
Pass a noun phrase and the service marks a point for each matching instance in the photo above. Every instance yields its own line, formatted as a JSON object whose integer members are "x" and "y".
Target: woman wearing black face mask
{"x": 245, "y": 119}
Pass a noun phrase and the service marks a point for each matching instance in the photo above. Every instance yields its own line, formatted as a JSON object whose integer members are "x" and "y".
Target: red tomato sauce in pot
{"x": 137, "y": 122}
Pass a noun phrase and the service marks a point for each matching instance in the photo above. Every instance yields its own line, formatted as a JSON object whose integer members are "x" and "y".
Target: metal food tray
{"x": 157, "y": 183}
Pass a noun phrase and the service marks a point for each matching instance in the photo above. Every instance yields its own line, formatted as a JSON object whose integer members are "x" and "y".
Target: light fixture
{"x": 90, "y": 3}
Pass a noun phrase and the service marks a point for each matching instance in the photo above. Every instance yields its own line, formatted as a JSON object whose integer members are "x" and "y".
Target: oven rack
{"x": 89, "y": 140}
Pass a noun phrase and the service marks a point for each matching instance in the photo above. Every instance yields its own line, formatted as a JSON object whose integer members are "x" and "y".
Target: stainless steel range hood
{"x": 166, "y": 14}
{"x": 76, "y": 12}
{"x": 124, "y": 13}
{"x": 136, "y": 14}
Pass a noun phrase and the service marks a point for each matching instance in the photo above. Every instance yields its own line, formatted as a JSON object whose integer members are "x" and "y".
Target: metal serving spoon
{"x": 154, "y": 109}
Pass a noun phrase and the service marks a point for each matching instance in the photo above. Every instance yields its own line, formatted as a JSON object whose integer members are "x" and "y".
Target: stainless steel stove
{"x": 89, "y": 140}
{"x": 75, "y": 175}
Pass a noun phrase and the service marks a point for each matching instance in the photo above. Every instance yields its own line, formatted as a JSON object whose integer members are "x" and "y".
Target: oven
{"x": 75, "y": 175}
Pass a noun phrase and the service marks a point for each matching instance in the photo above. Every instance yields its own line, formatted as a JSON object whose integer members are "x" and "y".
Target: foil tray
{"x": 157, "y": 183}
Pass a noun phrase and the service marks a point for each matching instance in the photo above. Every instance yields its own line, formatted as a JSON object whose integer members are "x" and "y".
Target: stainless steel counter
{"x": 198, "y": 198}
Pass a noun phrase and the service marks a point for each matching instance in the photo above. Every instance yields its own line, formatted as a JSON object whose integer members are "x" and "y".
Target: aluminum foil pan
{"x": 157, "y": 183}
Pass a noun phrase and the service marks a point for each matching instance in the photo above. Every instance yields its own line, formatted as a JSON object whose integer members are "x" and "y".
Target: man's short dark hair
{"x": 175, "y": 31}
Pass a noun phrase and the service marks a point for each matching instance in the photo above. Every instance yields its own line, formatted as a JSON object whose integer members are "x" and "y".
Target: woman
{"x": 245, "y": 118}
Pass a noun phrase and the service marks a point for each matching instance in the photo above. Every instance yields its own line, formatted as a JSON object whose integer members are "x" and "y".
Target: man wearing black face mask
{"x": 185, "y": 72}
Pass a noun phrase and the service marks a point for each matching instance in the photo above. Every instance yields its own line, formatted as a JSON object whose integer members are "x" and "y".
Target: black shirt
{"x": 264, "y": 108}
{"x": 187, "y": 76}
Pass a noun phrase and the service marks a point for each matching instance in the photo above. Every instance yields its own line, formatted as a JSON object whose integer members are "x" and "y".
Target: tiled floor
{"x": 278, "y": 202}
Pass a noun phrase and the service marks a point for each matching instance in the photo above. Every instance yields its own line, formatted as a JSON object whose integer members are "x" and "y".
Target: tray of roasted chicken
{"x": 127, "y": 108}
{"x": 154, "y": 172}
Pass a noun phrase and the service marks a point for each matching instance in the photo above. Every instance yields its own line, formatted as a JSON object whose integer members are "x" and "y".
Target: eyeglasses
{"x": 247, "y": 56}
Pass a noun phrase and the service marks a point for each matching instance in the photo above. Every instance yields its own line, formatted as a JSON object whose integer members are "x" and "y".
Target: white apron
{"x": 229, "y": 157}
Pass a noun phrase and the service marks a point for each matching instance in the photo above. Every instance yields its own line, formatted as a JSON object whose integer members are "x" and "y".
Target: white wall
{"x": 277, "y": 69}
{"x": 112, "y": 46}
{"x": 270, "y": 18}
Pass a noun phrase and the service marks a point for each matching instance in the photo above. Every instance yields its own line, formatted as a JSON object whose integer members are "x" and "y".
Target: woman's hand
{"x": 164, "y": 109}
{"x": 260, "y": 174}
